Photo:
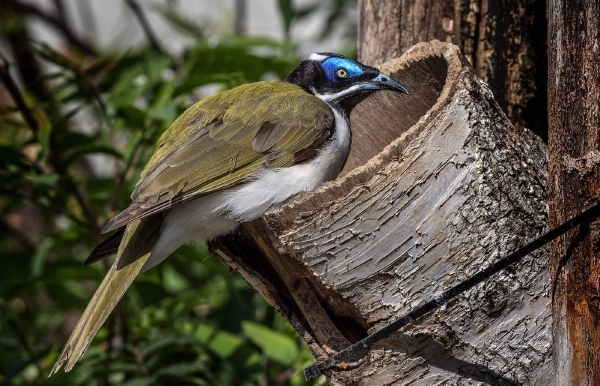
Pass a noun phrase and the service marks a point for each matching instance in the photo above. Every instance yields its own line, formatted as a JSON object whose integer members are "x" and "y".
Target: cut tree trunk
{"x": 505, "y": 41}
{"x": 574, "y": 146}
{"x": 455, "y": 189}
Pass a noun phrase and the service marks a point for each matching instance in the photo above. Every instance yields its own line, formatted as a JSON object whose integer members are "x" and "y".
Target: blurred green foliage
{"x": 187, "y": 321}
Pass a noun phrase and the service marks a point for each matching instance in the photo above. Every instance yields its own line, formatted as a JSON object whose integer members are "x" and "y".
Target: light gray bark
{"x": 455, "y": 189}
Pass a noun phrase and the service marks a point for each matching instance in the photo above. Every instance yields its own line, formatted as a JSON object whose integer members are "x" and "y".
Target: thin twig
{"x": 13, "y": 89}
{"x": 240, "y": 17}
{"x": 62, "y": 12}
{"x": 139, "y": 360}
{"x": 139, "y": 13}
{"x": 55, "y": 22}
{"x": 362, "y": 345}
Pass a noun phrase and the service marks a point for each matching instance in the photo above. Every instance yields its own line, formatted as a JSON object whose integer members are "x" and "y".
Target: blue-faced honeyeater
{"x": 226, "y": 160}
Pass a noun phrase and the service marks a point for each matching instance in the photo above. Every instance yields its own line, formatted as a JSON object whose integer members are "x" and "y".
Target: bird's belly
{"x": 219, "y": 213}
{"x": 271, "y": 186}
{"x": 252, "y": 199}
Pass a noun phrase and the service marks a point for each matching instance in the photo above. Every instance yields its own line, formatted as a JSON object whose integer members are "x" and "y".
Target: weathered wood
{"x": 574, "y": 147}
{"x": 504, "y": 40}
{"x": 456, "y": 190}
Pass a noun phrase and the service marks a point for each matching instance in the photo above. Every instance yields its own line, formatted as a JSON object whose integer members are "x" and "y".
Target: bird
{"x": 226, "y": 160}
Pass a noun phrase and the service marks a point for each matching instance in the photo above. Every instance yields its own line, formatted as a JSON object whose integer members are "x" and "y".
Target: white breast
{"x": 272, "y": 186}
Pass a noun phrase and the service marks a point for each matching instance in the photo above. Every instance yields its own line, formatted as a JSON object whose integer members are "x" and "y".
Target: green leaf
{"x": 134, "y": 81}
{"x": 44, "y": 130}
{"x": 166, "y": 113}
{"x": 286, "y": 10}
{"x": 160, "y": 344}
{"x": 275, "y": 345}
{"x": 164, "y": 94}
{"x": 148, "y": 381}
{"x": 204, "y": 333}
{"x": 44, "y": 179}
{"x": 221, "y": 343}
{"x": 173, "y": 281}
{"x": 133, "y": 116}
{"x": 37, "y": 262}
{"x": 180, "y": 369}
{"x": 224, "y": 344}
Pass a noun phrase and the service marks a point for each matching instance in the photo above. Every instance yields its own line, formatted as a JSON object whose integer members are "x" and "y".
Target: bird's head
{"x": 337, "y": 80}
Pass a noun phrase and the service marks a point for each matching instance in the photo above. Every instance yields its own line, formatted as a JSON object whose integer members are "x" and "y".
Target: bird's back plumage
{"x": 282, "y": 122}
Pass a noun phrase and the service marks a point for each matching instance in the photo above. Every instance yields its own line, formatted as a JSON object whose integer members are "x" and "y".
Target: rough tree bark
{"x": 455, "y": 189}
{"x": 505, "y": 41}
{"x": 574, "y": 147}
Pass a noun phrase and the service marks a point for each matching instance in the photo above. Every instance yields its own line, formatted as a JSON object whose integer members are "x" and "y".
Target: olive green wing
{"x": 224, "y": 140}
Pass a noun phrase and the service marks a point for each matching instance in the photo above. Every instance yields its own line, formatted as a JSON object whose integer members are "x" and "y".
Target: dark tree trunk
{"x": 574, "y": 148}
{"x": 505, "y": 41}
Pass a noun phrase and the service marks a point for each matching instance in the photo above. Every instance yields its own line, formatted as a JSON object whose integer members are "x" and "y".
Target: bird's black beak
{"x": 383, "y": 82}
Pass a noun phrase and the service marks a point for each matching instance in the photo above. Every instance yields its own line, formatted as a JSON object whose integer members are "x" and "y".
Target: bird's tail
{"x": 135, "y": 249}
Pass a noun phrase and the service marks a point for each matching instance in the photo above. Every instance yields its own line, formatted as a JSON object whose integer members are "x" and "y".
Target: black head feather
{"x": 338, "y": 80}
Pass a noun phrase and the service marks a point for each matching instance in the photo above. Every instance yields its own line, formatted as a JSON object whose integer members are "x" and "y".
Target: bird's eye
{"x": 341, "y": 73}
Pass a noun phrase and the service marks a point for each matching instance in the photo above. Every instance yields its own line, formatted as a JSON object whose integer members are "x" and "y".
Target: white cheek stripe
{"x": 317, "y": 57}
{"x": 331, "y": 97}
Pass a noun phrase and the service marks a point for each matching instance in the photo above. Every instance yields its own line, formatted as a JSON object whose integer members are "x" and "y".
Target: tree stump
{"x": 438, "y": 185}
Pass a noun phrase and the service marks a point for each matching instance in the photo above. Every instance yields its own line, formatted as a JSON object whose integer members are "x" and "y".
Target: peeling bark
{"x": 574, "y": 147}
{"x": 456, "y": 189}
{"x": 504, "y": 40}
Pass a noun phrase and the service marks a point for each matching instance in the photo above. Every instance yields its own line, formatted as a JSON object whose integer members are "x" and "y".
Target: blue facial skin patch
{"x": 330, "y": 65}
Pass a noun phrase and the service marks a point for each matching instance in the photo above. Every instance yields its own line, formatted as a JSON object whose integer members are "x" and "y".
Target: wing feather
{"x": 224, "y": 140}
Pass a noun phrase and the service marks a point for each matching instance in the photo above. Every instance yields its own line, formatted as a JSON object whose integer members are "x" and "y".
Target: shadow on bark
{"x": 437, "y": 355}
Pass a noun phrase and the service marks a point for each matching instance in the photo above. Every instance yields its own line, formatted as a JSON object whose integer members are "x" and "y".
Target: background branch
{"x": 55, "y": 21}
{"x": 62, "y": 12}
{"x": 139, "y": 13}
{"x": 15, "y": 93}
{"x": 120, "y": 175}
